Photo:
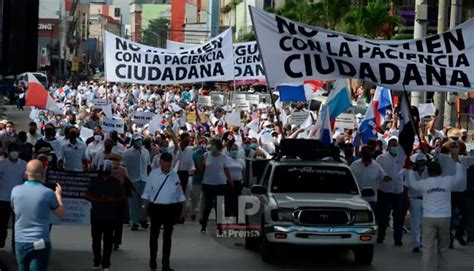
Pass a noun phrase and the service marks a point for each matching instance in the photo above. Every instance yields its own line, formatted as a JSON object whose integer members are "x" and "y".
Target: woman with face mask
{"x": 95, "y": 147}
{"x": 216, "y": 180}
{"x": 237, "y": 172}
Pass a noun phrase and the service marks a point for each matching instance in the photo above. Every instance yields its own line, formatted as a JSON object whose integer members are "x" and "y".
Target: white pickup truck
{"x": 308, "y": 202}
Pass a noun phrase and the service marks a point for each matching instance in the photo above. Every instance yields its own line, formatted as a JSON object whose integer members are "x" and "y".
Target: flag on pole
{"x": 38, "y": 97}
{"x": 339, "y": 100}
{"x": 367, "y": 126}
{"x": 406, "y": 134}
{"x": 323, "y": 124}
{"x": 301, "y": 93}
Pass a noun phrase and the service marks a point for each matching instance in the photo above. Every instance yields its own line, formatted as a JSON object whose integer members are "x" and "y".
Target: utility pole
{"x": 215, "y": 13}
{"x": 439, "y": 97}
{"x": 60, "y": 38}
{"x": 453, "y": 21}
{"x": 421, "y": 25}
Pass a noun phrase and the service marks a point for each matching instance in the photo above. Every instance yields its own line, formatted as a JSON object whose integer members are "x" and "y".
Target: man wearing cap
{"x": 166, "y": 204}
{"x": 137, "y": 162}
{"x": 416, "y": 199}
{"x": 390, "y": 194}
{"x": 436, "y": 193}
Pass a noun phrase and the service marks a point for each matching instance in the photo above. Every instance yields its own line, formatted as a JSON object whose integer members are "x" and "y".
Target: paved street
{"x": 194, "y": 251}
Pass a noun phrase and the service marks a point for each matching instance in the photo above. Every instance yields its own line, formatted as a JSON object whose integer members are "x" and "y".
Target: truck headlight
{"x": 365, "y": 216}
{"x": 282, "y": 215}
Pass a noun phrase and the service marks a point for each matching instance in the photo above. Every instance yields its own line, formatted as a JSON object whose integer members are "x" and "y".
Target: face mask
{"x": 253, "y": 146}
{"x": 138, "y": 144}
{"x": 97, "y": 138}
{"x": 14, "y": 155}
{"x": 234, "y": 154}
{"x": 9, "y": 130}
{"x": 366, "y": 156}
{"x": 213, "y": 148}
{"x": 247, "y": 147}
{"x": 164, "y": 149}
{"x": 393, "y": 151}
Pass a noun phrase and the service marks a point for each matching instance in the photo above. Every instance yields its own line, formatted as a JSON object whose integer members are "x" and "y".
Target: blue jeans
{"x": 30, "y": 259}
{"x": 135, "y": 203}
{"x": 416, "y": 214}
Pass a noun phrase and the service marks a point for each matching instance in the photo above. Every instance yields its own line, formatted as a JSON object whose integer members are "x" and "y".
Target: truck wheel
{"x": 267, "y": 250}
{"x": 251, "y": 243}
{"x": 364, "y": 254}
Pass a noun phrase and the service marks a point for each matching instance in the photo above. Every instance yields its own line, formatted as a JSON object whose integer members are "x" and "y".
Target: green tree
{"x": 374, "y": 20}
{"x": 156, "y": 33}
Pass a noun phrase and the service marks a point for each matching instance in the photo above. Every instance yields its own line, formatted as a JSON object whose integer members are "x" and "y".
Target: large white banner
{"x": 293, "y": 52}
{"x": 247, "y": 61}
{"x": 130, "y": 62}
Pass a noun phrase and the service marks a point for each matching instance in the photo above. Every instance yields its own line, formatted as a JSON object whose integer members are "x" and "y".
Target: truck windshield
{"x": 313, "y": 179}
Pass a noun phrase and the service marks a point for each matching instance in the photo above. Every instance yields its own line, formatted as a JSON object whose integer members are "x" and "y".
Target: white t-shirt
{"x": 436, "y": 192}
{"x": 137, "y": 162}
{"x": 392, "y": 167}
{"x": 368, "y": 177}
{"x": 214, "y": 171}
{"x": 235, "y": 167}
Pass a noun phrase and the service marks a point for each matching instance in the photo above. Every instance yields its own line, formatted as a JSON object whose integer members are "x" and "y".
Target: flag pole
{"x": 412, "y": 121}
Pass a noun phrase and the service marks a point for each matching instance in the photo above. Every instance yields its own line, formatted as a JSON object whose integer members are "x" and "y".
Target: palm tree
{"x": 375, "y": 20}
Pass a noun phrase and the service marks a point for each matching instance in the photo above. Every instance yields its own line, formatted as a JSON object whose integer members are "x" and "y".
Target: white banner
{"x": 345, "y": 121}
{"x": 217, "y": 99}
{"x": 293, "y": 52}
{"x": 143, "y": 118}
{"x": 113, "y": 124}
{"x": 99, "y": 103}
{"x": 247, "y": 61}
{"x": 298, "y": 118}
{"x": 204, "y": 101}
{"x": 253, "y": 99}
{"x": 130, "y": 62}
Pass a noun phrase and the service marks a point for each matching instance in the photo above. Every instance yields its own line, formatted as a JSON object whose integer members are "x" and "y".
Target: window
{"x": 313, "y": 179}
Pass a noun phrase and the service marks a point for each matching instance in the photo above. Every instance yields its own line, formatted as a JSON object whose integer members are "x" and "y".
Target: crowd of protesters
{"x": 145, "y": 171}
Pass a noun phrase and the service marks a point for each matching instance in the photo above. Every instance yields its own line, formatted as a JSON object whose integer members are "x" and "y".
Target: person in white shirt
{"x": 368, "y": 173}
{"x": 33, "y": 136}
{"x": 184, "y": 160}
{"x": 73, "y": 153}
{"x": 95, "y": 147}
{"x": 236, "y": 168}
{"x": 416, "y": 199}
{"x": 137, "y": 162}
{"x": 448, "y": 162}
{"x": 12, "y": 172}
{"x": 390, "y": 194}
{"x": 166, "y": 204}
{"x": 436, "y": 192}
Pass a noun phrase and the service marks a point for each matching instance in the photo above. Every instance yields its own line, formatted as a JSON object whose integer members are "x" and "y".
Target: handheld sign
{"x": 143, "y": 118}
{"x": 113, "y": 124}
{"x": 204, "y": 101}
{"x": 298, "y": 118}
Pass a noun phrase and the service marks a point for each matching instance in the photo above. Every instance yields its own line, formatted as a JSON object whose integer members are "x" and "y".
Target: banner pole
{"x": 277, "y": 114}
{"x": 412, "y": 121}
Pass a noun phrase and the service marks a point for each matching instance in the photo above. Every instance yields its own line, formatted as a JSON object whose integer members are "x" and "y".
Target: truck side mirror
{"x": 258, "y": 190}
